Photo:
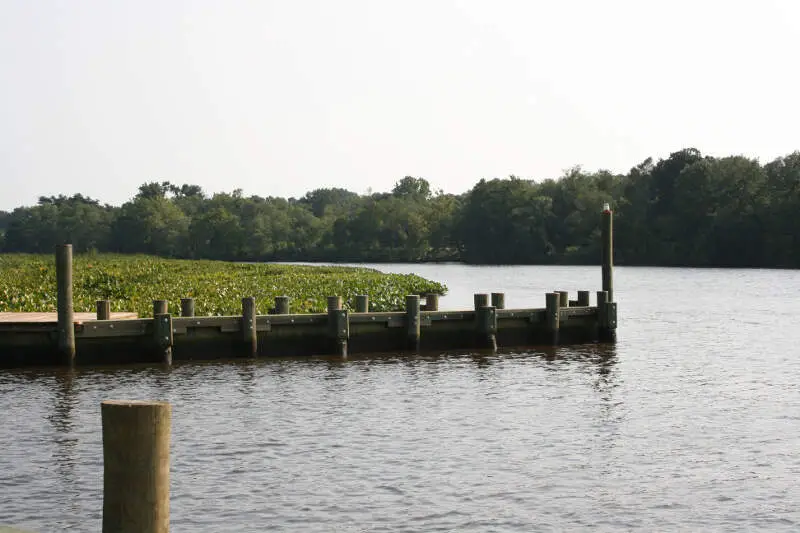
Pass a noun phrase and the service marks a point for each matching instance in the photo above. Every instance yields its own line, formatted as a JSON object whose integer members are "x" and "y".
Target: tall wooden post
{"x": 607, "y": 233}
{"x": 136, "y": 437}
{"x": 362, "y": 303}
{"x": 249, "y": 331}
{"x": 66, "y": 316}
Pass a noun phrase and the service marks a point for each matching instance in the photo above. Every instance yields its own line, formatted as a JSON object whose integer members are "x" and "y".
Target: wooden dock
{"x": 78, "y": 318}
{"x": 69, "y": 338}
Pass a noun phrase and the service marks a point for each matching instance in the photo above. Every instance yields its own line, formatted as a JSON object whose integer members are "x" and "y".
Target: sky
{"x": 278, "y": 98}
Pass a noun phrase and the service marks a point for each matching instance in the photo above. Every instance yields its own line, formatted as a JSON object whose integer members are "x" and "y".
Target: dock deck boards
{"x": 53, "y": 317}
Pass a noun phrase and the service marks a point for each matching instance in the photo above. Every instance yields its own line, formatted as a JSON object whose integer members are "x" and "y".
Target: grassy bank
{"x": 131, "y": 283}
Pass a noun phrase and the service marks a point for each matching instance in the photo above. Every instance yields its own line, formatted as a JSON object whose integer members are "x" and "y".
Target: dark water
{"x": 690, "y": 423}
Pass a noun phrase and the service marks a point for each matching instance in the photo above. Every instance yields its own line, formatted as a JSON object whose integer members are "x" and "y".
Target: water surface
{"x": 690, "y": 422}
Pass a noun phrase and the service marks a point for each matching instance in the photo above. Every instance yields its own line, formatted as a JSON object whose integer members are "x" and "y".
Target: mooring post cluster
{"x": 335, "y": 331}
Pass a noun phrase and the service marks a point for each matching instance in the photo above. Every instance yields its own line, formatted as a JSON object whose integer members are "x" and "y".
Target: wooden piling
{"x": 338, "y": 325}
{"x": 431, "y": 301}
{"x": 65, "y": 315}
{"x": 413, "y": 321}
{"x": 187, "y": 307}
{"x": 610, "y": 333}
{"x": 499, "y": 300}
{"x": 162, "y": 336}
{"x": 249, "y": 331}
{"x": 607, "y": 254}
{"x": 103, "y": 309}
{"x": 563, "y": 298}
{"x": 583, "y": 298}
{"x": 334, "y": 303}
{"x": 281, "y": 305}
{"x": 362, "y": 303}
{"x": 136, "y": 439}
{"x": 485, "y": 322}
{"x": 602, "y": 300}
{"x": 553, "y": 304}
{"x": 160, "y": 307}
{"x": 606, "y": 317}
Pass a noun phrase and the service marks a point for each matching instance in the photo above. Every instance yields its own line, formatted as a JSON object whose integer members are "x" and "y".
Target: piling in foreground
{"x": 136, "y": 437}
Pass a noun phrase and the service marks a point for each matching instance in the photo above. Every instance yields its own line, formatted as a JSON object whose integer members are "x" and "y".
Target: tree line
{"x": 685, "y": 210}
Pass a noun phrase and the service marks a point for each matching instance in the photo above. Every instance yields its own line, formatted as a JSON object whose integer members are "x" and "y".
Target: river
{"x": 691, "y": 422}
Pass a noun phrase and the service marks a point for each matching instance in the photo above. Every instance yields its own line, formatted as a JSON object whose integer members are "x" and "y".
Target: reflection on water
{"x": 64, "y": 458}
{"x": 676, "y": 427}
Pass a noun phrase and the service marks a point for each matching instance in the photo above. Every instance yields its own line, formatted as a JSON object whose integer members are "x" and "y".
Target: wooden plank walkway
{"x": 53, "y": 317}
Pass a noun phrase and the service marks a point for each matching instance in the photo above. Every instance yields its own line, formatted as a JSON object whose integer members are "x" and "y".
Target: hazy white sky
{"x": 280, "y": 98}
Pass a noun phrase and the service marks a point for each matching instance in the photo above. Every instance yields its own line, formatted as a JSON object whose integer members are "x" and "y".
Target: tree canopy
{"x": 686, "y": 210}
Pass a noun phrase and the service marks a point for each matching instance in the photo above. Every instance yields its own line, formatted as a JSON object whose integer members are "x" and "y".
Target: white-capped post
{"x": 607, "y": 259}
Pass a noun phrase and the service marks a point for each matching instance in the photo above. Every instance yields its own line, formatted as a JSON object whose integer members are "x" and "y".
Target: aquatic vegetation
{"x": 132, "y": 282}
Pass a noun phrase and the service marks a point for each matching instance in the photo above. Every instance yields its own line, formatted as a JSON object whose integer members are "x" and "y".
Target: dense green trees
{"x": 79, "y": 220}
{"x": 687, "y": 209}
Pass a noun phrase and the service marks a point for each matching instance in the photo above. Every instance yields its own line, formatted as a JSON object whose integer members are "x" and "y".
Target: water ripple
{"x": 688, "y": 423}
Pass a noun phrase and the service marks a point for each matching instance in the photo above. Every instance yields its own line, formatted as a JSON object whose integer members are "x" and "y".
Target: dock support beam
{"x": 103, "y": 310}
{"x": 362, "y": 303}
{"x": 607, "y": 233}
{"x": 187, "y": 307}
{"x": 485, "y": 322}
{"x": 339, "y": 325}
{"x": 66, "y": 316}
{"x": 606, "y": 318}
{"x": 162, "y": 336}
{"x": 249, "y": 331}
{"x": 413, "y": 321}
{"x": 136, "y": 437}
{"x": 553, "y": 300}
